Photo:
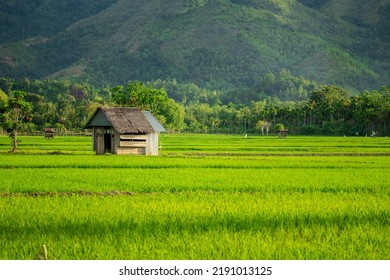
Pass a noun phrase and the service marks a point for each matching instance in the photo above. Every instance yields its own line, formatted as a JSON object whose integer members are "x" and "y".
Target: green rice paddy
{"x": 206, "y": 197}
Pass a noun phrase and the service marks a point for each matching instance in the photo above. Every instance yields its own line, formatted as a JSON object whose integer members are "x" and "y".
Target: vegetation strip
{"x": 291, "y": 154}
{"x": 68, "y": 194}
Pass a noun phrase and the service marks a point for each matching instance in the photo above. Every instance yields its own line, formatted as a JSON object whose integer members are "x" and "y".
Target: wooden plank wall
{"x": 131, "y": 144}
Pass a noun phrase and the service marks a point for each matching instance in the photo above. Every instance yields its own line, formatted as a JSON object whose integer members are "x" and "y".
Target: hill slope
{"x": 220, "y": 44}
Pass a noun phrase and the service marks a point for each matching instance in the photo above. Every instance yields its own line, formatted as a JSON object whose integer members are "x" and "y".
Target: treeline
{"x": 59, "y": 104}
{"x": 311, "y": 110}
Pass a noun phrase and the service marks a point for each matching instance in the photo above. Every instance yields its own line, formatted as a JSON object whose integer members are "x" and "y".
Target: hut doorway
{"x": 107, "y": 142}
{"x": 102, "y": 140}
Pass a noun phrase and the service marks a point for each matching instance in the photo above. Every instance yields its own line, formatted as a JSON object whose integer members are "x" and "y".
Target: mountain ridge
{"x": 216, "y": 44}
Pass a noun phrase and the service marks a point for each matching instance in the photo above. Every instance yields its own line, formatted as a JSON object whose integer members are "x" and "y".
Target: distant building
{"x": 122, "y": 130}
{"x": 49, "y": 132}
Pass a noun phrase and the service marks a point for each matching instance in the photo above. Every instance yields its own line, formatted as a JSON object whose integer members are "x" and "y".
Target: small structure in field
{"x": 49, "y": 132}
{"x": 123, "y": 130}
{"x": 283, "y": 133}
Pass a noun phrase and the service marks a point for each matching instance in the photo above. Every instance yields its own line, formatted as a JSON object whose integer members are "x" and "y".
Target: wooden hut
{"x": 283, "y": 133}
{"x": 49, "y": 132}
{"x": 122, "y": 130}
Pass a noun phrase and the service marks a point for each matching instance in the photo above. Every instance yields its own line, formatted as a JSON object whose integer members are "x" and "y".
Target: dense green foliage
{"x": 235, "y": 205}
{"x": 138, "y": 95}
{"x": 319, "y": 110}
{"x": 14, "y": 110}
{"x": 215, "y": 44}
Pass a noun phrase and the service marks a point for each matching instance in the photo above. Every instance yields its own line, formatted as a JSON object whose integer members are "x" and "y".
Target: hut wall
{"x": 115, "y": 142}
{"x": 152, "y": 144}
{"x": 99, "y": 140}
{"x": 130, "y": 144}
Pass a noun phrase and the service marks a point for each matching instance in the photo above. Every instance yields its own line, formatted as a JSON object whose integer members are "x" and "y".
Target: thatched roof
{"x": 123, "y": 119}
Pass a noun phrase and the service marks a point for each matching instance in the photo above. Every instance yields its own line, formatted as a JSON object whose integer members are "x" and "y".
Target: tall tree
{"x": 173, "y": 115}
{"x": 137, "y": 94}
{"x": 329, "y": 101}
{"x": 13, "y": 112}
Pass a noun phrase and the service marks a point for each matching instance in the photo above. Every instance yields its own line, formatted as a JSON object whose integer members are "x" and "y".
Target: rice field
{"x": 206, "y": 197}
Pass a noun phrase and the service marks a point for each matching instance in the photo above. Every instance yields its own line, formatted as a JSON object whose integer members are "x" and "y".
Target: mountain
{"x": 218, "y": 44}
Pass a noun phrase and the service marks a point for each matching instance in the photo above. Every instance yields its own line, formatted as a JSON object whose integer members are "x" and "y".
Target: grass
{"x": 208, "y": 202}
{"x": 221, "y": 144}
{"x": 198, "y": 226}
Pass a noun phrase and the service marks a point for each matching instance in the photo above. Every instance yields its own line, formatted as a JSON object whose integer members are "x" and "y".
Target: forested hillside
{"x": 216, "y": 44}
